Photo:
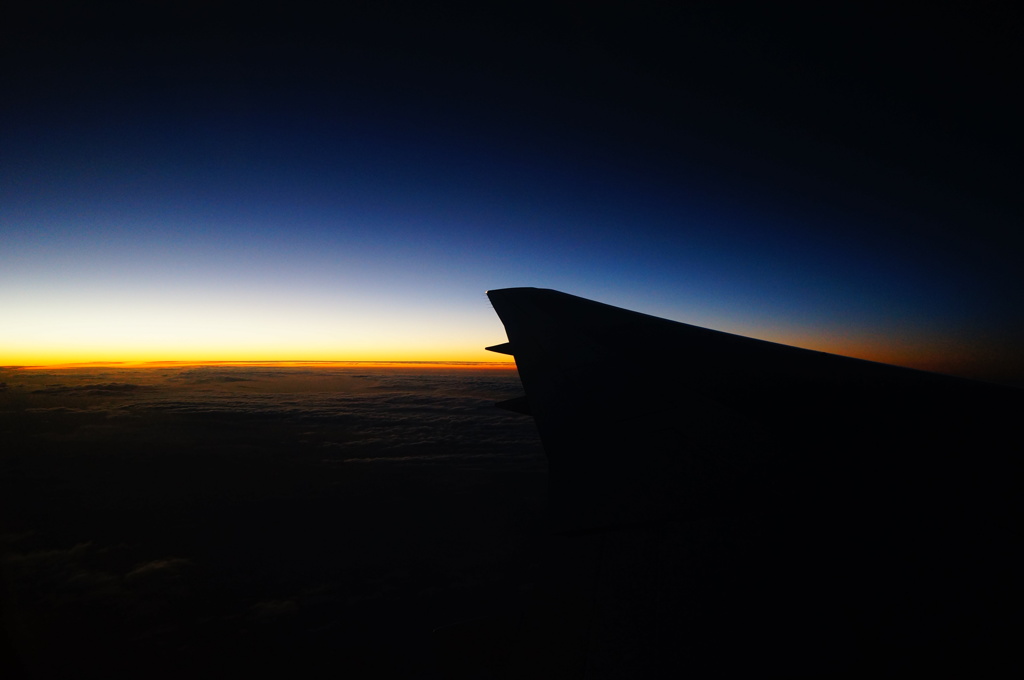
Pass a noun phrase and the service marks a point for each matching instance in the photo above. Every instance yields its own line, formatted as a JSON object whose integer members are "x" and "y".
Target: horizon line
{"x": 240, "y": 363}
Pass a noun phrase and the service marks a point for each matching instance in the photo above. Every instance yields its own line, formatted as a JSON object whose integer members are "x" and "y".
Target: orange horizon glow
{"x": 489, "y": 365}
{"x": 976, "y": 368}
{"x": 387, "y": 353}
{"x": 905, "y": 358}
{"x": 909, "y": 352}
{"x": 948, "y": 355}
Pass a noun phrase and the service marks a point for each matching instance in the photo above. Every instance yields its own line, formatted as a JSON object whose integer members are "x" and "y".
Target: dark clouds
{"x": 181, "y": 521}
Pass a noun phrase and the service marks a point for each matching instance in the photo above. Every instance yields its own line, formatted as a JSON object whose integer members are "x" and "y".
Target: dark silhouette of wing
{"x": 726, "y": 505}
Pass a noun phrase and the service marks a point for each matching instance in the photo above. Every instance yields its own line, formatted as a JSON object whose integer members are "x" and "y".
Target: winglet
{"x": 503, "y": 348}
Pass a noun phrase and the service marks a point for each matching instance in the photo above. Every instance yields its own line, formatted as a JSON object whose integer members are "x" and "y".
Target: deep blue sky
{"x": 186, "y": 182}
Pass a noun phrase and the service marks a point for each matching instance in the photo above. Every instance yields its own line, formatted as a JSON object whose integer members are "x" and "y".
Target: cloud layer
{"x": 309, "y": 518}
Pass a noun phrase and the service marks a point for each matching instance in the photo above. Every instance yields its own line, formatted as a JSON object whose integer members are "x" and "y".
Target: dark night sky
{"x": 193, "y": 181}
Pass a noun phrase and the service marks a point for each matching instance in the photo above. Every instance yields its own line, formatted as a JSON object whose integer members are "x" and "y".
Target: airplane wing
{"x": 722, "y": 504}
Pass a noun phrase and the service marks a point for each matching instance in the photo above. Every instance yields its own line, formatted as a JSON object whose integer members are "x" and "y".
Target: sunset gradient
{"x": 168, "y": 196}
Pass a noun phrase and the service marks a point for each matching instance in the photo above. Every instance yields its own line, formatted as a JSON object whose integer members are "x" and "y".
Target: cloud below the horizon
{"x": 146, "y": 503}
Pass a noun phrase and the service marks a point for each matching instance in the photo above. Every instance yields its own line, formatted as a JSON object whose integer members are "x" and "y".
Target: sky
{"x": 191, "y": 182}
